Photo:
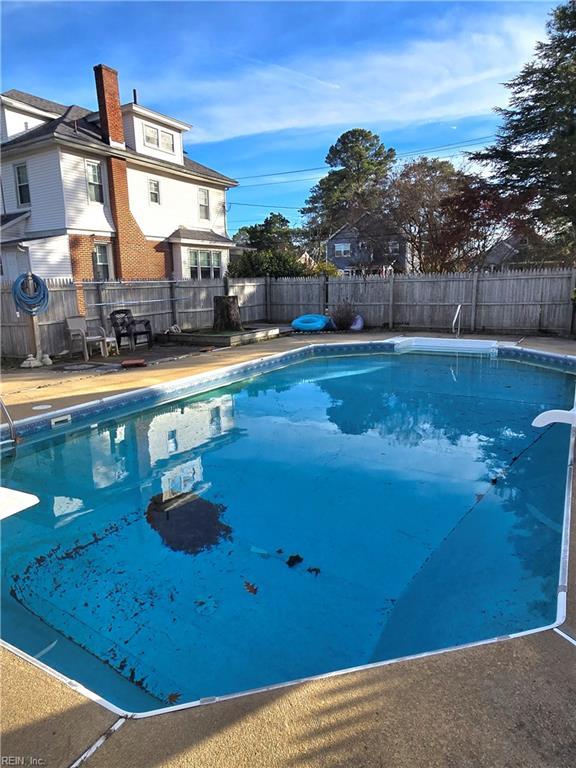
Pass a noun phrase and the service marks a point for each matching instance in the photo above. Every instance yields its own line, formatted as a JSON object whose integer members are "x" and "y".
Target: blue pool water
{"x": 329, "y": 514}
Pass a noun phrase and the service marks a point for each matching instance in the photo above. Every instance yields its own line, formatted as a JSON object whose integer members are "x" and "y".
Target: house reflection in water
{"x": 165, "y": 444}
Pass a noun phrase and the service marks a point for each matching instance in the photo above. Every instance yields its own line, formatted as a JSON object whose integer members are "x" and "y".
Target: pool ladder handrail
{"x": 457, "y": 319}
{"x": 10, "y": 422}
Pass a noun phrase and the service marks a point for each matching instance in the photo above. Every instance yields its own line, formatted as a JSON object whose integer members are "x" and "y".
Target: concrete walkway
{"x": 510, "y": 704}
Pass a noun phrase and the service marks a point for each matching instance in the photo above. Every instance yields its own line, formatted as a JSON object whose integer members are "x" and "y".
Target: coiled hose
{"x": 30, "y": 303}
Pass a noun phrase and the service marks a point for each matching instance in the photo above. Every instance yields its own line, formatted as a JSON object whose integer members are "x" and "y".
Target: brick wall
{"x": 144, "y": 260}
{"x": 135, "y": 257}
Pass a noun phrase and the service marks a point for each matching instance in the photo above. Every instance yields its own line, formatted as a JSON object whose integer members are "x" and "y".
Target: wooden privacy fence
{"x": 536, "y": 301}
{"x": 16, "y": 337}
{"x": 187, "y": 303}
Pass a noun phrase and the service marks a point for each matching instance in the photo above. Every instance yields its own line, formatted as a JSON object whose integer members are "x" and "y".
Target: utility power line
{"x": 269, "y": 205}
{"x": 298, "y": 208}
{"x": 464, "y": 142}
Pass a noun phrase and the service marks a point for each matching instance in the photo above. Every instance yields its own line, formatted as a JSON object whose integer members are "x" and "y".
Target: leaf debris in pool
{"x": 187, "y": 522}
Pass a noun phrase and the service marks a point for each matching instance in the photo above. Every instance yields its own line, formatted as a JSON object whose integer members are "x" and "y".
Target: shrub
{"x": 343, "y": 316}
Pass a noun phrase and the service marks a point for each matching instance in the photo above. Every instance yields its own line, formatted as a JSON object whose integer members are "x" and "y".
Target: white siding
{"x": 14, "y": 122}
{"x": 191, "y": 428}
{"x": 50, "y": 257}
{"x": 47, "y": 199}
{"x": 14, "y": 262}
{"x": 82, "y": 213}
{"x": 178, "y": 205}
{"x": 134, "y": 136}
{"x": 129, "y": 137}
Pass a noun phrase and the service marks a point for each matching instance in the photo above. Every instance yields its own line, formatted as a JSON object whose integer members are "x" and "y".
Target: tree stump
{"x": 227, "y": 314}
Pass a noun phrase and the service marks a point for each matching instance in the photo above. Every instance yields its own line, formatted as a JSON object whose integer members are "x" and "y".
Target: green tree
{"x": 535, "y": 149}
{"x": 274, "y": 234}
{"x": 262, "y": 263}
{"x": 360, "y": 166}
{"x": 449, "y": 218}
{"x": 324, "y": 268}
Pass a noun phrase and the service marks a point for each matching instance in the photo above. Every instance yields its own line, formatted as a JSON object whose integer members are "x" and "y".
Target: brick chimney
{"x": 135, "y": 257}
{"x": 109, "y": 105}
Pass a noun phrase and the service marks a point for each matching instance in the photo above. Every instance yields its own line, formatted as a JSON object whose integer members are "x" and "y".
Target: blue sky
{"x": 269, "y": 87}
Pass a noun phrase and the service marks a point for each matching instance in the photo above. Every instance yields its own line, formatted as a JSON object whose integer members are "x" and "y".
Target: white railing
{"x": 11, "y": 427}
{"x": 457, "y": 321}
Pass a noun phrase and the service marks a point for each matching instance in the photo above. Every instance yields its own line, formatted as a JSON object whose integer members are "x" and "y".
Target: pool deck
{"x": 508, "y": 704}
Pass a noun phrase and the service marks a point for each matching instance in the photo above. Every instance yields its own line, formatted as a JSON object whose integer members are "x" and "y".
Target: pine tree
{"x": 535, "y": 149}
{"x": 360, "y": 166}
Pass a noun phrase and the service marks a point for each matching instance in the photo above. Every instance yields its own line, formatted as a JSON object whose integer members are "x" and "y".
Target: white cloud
{"x": 449, "y": 77}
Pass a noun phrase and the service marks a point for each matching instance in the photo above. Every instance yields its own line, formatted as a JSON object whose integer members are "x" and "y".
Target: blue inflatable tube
{"x": 310, "y": 323}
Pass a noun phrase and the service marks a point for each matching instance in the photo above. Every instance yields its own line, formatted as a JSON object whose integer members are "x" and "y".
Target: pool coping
{"x": 78, "y": 416}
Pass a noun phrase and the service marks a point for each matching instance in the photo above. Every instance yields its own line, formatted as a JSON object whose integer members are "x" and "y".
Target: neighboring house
{"x": 306, "y": 260}
{"x": 107, "y": 194}
{"x": 369, "y": 246}
{"x": 504, "y": 252}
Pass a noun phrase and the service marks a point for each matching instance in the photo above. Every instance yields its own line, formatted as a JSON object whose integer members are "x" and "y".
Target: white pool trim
{"x": 243, "y": 371}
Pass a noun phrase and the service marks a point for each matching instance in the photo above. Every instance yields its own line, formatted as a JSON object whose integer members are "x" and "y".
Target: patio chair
{"x": 77, "y": 328}
{"x": 126, "y": 326}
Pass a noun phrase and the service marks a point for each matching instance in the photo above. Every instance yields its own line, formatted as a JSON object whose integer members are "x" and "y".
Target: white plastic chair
{"x": 77, "y": 328}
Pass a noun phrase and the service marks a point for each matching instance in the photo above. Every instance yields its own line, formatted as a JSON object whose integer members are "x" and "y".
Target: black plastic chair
{"x": 126, "y": 326}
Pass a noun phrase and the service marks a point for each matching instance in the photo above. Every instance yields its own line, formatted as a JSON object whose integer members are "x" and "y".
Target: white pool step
{"x": 425, "y": 344}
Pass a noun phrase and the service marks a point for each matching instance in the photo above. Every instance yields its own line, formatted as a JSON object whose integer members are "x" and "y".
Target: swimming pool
{"x": 338, "y": 512}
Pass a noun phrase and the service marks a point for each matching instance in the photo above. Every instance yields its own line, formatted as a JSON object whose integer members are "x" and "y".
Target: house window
{"x": 193, "y": 263}
{"x": 154, "y": 191}
{"x": 204, "y": 265}
{"x": 216, "y": 264}
{"x": 204, "y": 203}
{"x": 342, "y": 250}
{"x": 102, "y": 262}
{"x": 172, "y": 441}
{"x": 22, "y": 186}
{"x": 151, "y": 136}
{"x": 94, "y": 178}
{"x": 167, "y": 141}
{"x": 154, "y": 137}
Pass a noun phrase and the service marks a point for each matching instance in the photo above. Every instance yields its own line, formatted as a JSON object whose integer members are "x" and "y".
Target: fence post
{"x": 474, "y": 301}
{"x": 268, "y": 296}
{"x": 321, "y": 294}
{"x": 391, "y": 302}
{"x": 572, "y": 309}
{"x": 101, "y": 309}
{"x": 173, "y": 302}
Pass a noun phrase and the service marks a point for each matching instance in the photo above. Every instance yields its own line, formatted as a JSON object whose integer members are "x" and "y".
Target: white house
{"x": 107, "y": 194}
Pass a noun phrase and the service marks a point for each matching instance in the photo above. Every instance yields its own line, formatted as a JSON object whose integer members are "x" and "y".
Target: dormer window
{"x": 154, "y": 137}
{"x": 167, "y": 141}
{"x": 151, "y": 136}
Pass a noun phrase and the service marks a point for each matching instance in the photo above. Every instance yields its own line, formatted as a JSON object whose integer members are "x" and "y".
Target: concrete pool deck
{"x": 510, "y": 703}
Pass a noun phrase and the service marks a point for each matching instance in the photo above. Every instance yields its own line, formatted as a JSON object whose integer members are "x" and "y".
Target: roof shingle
{"x": 201, "y": 235}
{"x": 72, "y": 126}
